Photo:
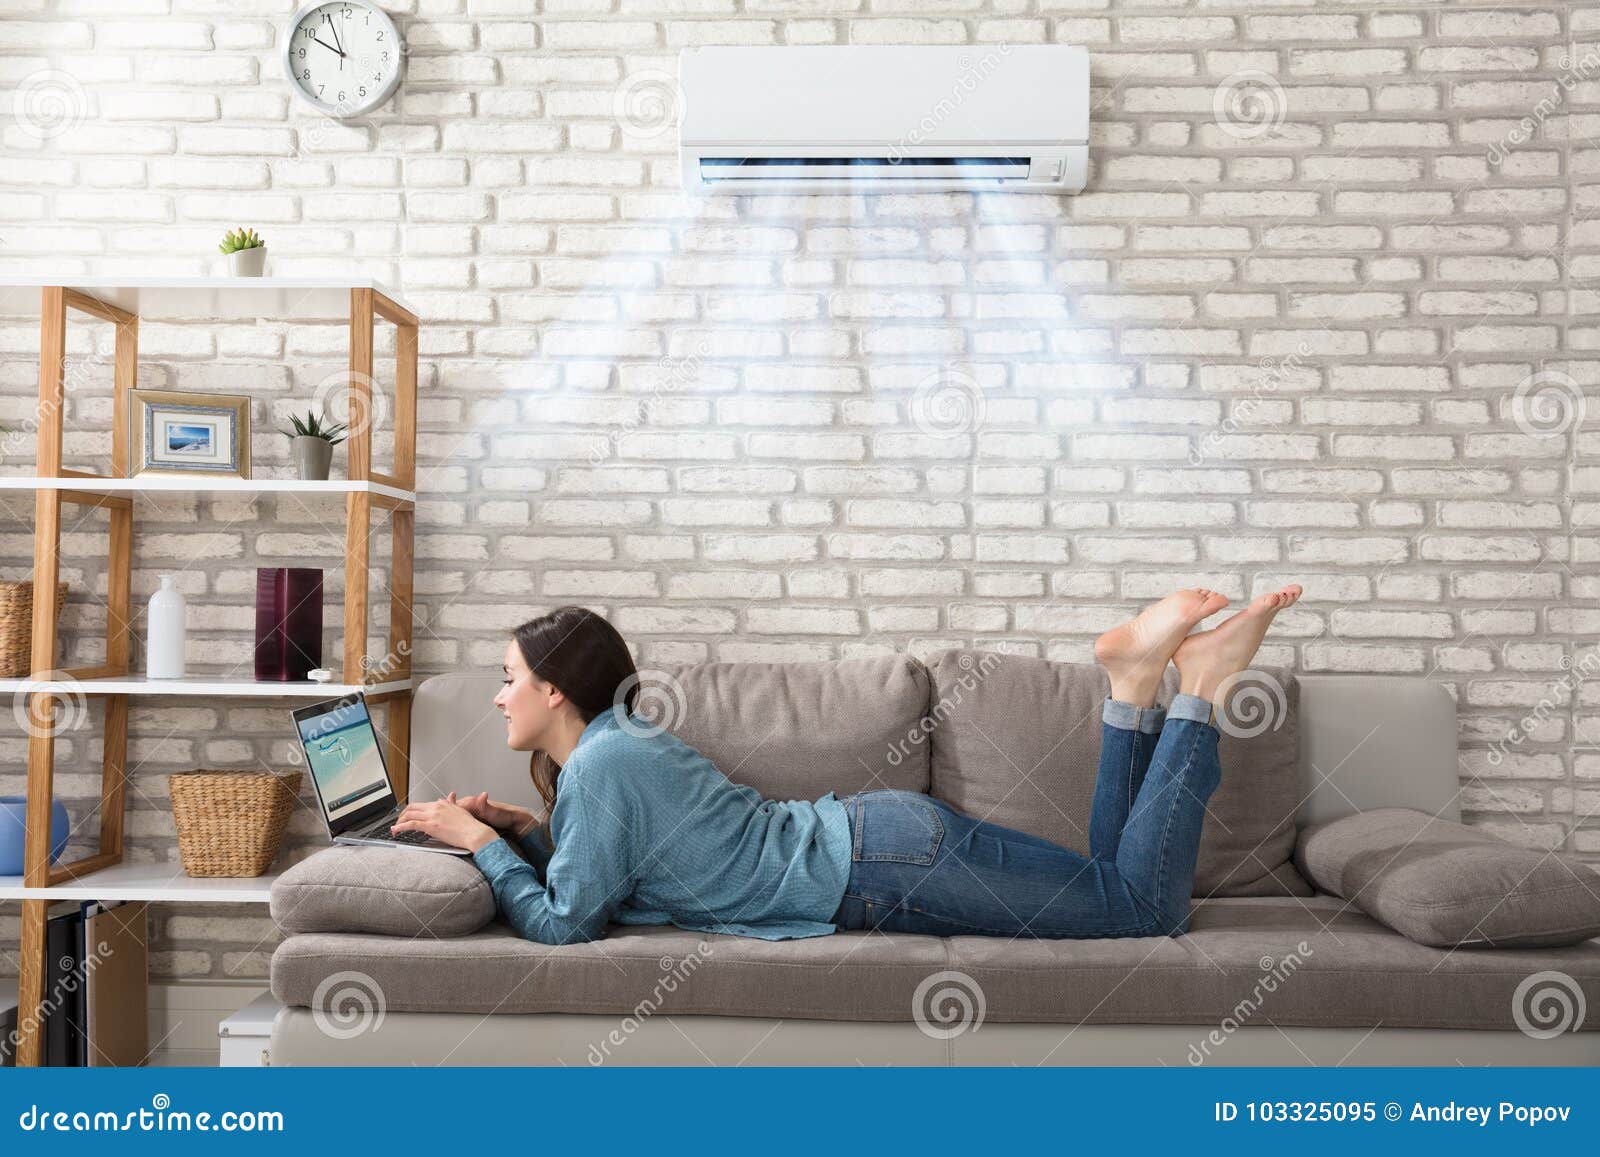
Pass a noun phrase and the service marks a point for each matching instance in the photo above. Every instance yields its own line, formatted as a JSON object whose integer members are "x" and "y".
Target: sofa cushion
{"x": 798, "y": 730}
{"x": 1017, "y": 743}
{"x": 1286, "y": 961}
{"x": 391, "y": 891}
{"x": 1442, "y": 883}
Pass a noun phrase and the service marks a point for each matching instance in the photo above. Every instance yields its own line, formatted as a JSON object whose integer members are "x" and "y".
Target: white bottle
{"x": 164, "y": 647}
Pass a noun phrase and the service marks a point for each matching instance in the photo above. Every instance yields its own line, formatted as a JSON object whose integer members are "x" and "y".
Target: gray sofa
{"x": 1272, "y": 971}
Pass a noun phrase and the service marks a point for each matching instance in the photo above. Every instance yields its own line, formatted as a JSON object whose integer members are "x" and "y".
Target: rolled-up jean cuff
{"x": 1185, "y": 706}
{"x": 1132, "y": 717}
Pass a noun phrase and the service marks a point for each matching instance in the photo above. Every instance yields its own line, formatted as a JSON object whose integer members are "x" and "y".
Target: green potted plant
{"x": 246, "y": 252}
{"x": 313, "y": 445}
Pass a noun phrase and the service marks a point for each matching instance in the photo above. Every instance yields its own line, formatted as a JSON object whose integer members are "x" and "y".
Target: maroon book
{"x": 288, "y": 621}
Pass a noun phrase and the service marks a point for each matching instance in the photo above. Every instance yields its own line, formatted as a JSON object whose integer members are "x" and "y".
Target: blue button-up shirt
{"x": 648, "y": 831}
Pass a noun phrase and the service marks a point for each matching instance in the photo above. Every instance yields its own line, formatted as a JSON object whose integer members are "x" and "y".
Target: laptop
{"x": 351, "y": 778}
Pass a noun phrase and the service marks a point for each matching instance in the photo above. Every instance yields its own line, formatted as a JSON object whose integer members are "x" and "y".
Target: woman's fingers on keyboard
{"x": 415, "y": 811}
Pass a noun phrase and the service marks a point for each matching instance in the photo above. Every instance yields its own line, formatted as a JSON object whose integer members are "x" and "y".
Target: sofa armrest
{"x": 1376, "y": 741}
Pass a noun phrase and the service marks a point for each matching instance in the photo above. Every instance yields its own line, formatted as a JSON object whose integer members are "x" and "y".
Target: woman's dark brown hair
{"x": 587, "y": 660}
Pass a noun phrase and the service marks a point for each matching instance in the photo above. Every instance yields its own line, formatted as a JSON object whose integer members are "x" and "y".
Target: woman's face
{"x": 529, "y": 704}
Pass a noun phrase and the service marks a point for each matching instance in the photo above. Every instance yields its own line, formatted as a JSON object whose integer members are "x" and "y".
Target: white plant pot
{"x": 247, "y": 262}
{"x": 164, "y": 646}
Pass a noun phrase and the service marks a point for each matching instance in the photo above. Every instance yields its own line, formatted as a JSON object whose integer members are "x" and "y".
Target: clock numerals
{"x": 331, "y": 46}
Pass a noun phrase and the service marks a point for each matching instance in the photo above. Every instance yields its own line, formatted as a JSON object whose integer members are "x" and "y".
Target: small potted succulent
{"x": 246, "y": 252}
{"x": 313, "y": 446}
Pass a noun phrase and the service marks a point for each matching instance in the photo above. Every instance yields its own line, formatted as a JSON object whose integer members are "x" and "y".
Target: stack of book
{"x": 8, "y": 1020}
{"x": 96, "y": 964}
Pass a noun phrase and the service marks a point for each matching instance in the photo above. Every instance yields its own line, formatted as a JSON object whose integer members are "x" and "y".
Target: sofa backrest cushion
{"x": 798, "y": 730}
{"x": 1016, "y": 741}
{"x": 458, "y": 741}
{"x": 790, "y": 730}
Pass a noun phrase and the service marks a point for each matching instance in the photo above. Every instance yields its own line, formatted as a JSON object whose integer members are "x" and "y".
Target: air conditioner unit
{"x": 879, "y": 118}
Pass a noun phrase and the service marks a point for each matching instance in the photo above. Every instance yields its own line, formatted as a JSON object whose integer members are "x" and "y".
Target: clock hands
{"x": 335, "y": 30}
{"x": 372, "y": 72}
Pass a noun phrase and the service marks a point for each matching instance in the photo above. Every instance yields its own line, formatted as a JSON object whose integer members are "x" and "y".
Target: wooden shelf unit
{"x": 376, "y": 692}
{"x": 121, "y": 302}
{"x": 166, "y": 484}
{"x": 164, "y": 883}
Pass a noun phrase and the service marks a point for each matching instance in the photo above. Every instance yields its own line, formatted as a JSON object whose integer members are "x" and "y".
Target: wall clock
{"x": 343, "y": 57}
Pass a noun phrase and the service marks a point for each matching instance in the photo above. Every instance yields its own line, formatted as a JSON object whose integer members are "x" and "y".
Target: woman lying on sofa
{"x": 643, "y": 829}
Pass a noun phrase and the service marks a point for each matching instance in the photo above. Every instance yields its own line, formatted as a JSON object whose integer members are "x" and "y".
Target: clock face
{"x": 343, "y": 57}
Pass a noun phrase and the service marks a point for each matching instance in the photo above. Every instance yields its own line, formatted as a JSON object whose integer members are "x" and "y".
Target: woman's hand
{"x": 447, "y": 821}
{"x": 495, "y": 814}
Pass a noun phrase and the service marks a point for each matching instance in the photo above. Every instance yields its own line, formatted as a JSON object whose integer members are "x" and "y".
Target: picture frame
{"x": 182, "y": 432}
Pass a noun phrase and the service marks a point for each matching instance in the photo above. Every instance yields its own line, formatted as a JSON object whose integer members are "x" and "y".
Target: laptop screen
{"x": 346, "y": 762}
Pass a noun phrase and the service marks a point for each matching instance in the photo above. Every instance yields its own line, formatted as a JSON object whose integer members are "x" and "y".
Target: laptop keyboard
{"x": 405, "y": 837}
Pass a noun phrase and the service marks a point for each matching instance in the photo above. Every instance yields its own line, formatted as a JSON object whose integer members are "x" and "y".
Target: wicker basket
{"x": 16, "y": 627}
{"x": 231, "y": 822}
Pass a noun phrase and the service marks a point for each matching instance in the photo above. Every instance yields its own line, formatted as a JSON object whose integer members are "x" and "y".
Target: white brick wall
{"x": 1240, "y": 358}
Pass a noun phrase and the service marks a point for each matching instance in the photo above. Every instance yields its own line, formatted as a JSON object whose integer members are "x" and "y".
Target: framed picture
{"x": 181, "y": 432}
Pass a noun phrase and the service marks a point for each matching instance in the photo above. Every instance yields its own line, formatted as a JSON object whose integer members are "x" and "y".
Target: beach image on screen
{"x": 343, "y": 753}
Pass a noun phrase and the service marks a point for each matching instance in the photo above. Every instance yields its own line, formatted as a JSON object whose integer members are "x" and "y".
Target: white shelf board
{"x": 201, "y": 685}
{"x": 179, "y": 484}
{"x": 205, "y": 298}
{"x": 162, "y": 882}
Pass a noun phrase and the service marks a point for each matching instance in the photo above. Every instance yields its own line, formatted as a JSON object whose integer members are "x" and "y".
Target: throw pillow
{"x": 390, "y": 891}
{"x": 1446, "y": 885}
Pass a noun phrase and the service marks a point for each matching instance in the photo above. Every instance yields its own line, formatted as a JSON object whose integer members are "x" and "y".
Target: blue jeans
{"x": 918, "y": 865}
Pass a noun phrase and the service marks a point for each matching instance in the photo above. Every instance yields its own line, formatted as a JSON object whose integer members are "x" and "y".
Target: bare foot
{"x": 1135, "y": 654}
{"x": 1206, "y": 658}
